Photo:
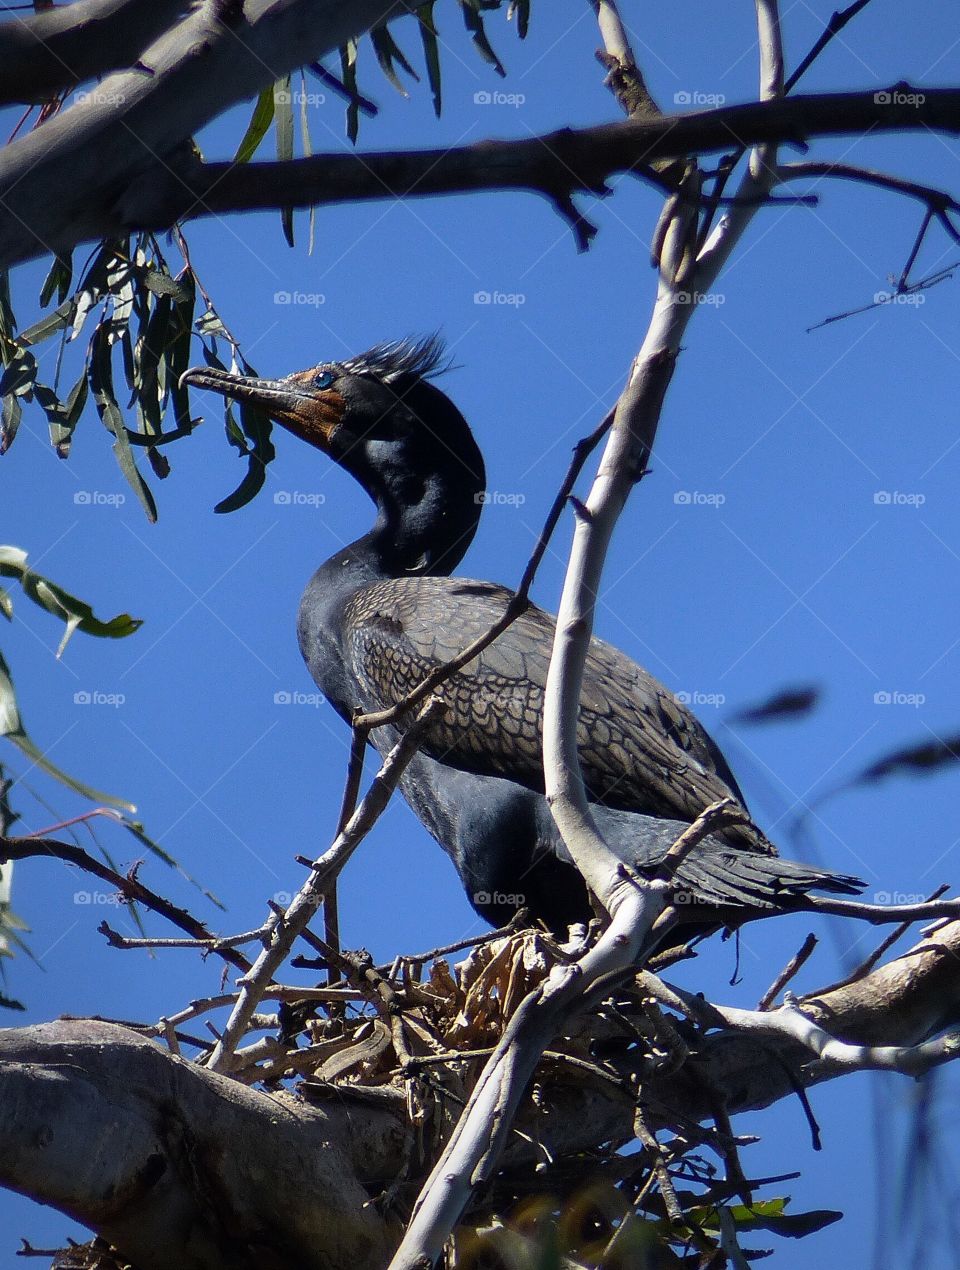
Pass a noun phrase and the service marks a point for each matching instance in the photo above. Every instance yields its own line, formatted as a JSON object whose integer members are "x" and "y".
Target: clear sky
{"x": 800, "y": 527}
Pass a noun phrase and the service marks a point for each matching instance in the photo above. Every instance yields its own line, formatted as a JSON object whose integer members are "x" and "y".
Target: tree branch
{"x": 92, "y": 177}
{"x": 180, "y": 1167}
{"x": 47, "y": 52}
{"x": 126, "y": 884}
{"x": 305, "y": 903}
{"x": 78, "y": 165}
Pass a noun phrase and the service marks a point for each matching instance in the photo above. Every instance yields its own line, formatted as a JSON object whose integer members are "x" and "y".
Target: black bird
{"x": 381, "y": 613}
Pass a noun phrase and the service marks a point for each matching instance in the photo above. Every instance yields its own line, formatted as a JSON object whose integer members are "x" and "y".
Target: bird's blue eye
{"x": 324, "y": 379}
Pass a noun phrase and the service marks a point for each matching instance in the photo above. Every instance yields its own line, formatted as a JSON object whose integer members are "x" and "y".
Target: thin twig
{"x": 304, "y": 905}
{"x": 788, "y": 972}
{"x": 126, "y": 884}
{"x": 869, "y": 962}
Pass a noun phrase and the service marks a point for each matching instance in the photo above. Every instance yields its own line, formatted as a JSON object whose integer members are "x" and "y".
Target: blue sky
{"x": 800, "y": 526}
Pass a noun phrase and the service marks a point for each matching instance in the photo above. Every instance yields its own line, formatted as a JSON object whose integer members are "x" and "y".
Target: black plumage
{"x": 383, "y": 612}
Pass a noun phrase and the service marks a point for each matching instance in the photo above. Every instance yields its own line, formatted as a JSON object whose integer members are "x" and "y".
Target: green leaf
{"x": 388, "y": 52}
{"x": 520, "y": 8}
{"x": 58, "y": 279}
{"x": 283, "y": 114}
{"x": 53, "y": 322}
{"x": 307, "y": 152}
{"x": 20, "y": 373}
{"x": 210, "y": 323}
{"x": 6, "y": 604}
{"x": 75, "y": 613}
{"x": 474, "y": 24}
{"x": 101, "y": 384}
{"x": 59, "y": 414}
{"x": 11, "y": 413}
{"x": 260, "y": 121}
{"x": 177, "y": 352}
{"x": 8, "y": 321}
{"x": 12, "y": 728}
{"x": 164, "y": 284}
{"x": 348, "y": 73}
{"x": 257, "y": 428}
{"x": 431, "y": 53}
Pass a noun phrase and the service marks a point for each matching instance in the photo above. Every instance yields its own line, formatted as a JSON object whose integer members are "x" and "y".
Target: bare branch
{"x": 304, "y": 905}
{"x": 58, "y": 207}
{"x": 127, "y": 884}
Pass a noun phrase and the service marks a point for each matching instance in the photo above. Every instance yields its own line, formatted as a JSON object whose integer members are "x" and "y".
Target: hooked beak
{"x": 311, "y": 414}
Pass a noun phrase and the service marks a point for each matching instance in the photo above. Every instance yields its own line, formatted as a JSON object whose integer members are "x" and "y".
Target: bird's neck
{"x": 425, "y": 538}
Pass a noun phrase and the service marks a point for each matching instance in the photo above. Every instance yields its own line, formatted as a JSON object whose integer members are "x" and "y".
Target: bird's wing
{"x": 640, "y": 749}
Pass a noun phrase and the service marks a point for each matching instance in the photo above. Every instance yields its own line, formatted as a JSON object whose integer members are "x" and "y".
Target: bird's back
{"x": 640, "y": 749}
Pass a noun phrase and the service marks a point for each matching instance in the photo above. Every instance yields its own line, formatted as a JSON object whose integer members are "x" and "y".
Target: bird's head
{"x": 378, "y": 416}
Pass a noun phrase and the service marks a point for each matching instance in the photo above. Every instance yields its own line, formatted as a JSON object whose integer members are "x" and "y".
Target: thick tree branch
{"x": 97, "y": 172}
{"x": 47, "y": 52}
{"x": 77, "y": 166}
{"x": 567, "y": 161}
{"x": 180, "y": 1167}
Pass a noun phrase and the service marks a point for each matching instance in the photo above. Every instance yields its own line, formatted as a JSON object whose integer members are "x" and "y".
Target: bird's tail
{"x": 725, "y": 878}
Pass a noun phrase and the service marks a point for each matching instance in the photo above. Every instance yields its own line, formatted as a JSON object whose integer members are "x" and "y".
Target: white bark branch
{"x": 305, "y": 904}
{"x": 180, "y": 1167}
{"x": 48, "y": 52}
{"x": 78, "y": 165}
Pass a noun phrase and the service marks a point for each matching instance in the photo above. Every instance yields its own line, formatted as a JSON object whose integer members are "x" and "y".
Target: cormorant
{"x": 381, "y": 613}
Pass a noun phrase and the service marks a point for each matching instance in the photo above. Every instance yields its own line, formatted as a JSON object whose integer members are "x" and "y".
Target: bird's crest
{"x": 394, "y": 359}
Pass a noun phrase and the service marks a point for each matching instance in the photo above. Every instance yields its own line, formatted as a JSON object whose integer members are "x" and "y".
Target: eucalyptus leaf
{"x": 348, "y": 73}
{"x": 20, "y": 374}
{"x": 257, "y": 427}
{"x": 12, "y": 728}
{"x": 388, "y": 51}
{"x": 260, "y": 121}
{"x": 283, "y": 116}
{"x": 75, "y": 613}
{"x": 474, "y": 24}
{"x": 101, "y": 383}
{"x": 11, "y": 412}
{"x": 61, "y": 317}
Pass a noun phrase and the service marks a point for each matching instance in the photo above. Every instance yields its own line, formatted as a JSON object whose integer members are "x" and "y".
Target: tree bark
{"x": 180, "y": 1167}
{"x": 177, "y": 1165}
